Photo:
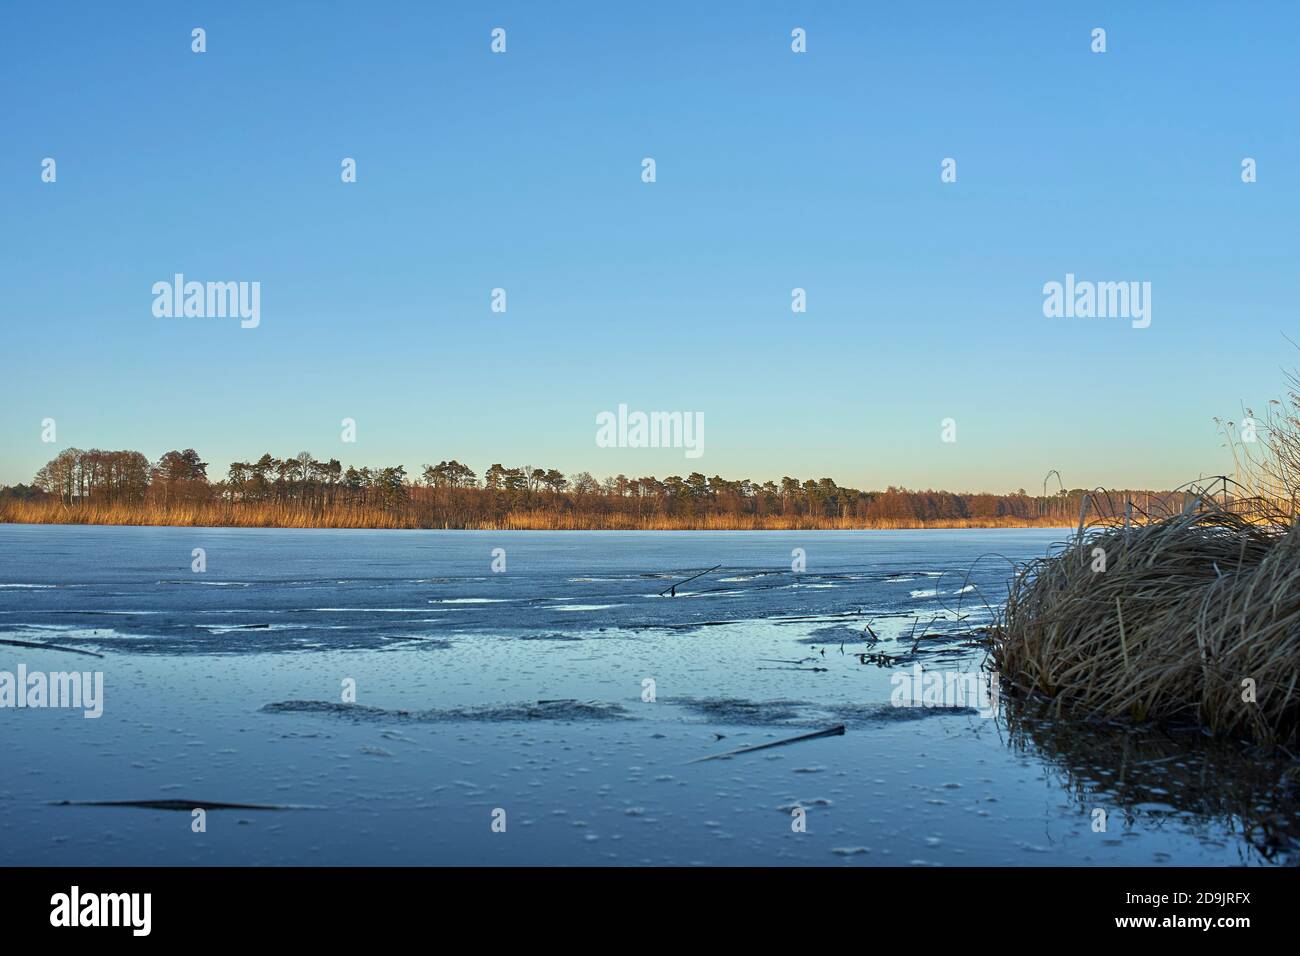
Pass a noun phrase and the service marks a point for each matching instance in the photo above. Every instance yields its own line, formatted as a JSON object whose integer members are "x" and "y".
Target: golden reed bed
{"x": 277, "y": 515}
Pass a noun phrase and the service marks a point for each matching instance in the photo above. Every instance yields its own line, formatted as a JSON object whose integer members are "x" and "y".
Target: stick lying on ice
{"x": 179, "y": 805}
{"x": 50, "y": 647}
{"x": 673, "y": 587}
{"x": 836, "y": 731}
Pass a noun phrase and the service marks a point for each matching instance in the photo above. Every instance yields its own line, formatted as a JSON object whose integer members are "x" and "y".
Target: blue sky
{"x": 774, "y": 171}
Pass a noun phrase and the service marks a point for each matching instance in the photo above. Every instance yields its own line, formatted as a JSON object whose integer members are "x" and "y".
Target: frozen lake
{"x": 229, "y": 684}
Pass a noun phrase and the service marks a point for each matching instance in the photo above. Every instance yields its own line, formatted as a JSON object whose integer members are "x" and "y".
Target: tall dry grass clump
{"x": 1187, "y": 617}
{"x": 1189, "y": 610}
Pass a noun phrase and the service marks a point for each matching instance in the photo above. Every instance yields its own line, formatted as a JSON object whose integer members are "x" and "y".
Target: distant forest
{"x": 124, "y": 487}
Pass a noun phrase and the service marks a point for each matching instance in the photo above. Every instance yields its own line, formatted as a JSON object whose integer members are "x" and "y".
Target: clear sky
{"x": 775, "y": 170}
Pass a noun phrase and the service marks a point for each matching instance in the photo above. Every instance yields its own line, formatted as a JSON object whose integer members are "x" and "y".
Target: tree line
{"x": 451, "y": 494}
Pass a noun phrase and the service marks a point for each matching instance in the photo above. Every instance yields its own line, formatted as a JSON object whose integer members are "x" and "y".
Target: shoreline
{"x": 201, "y": 521}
